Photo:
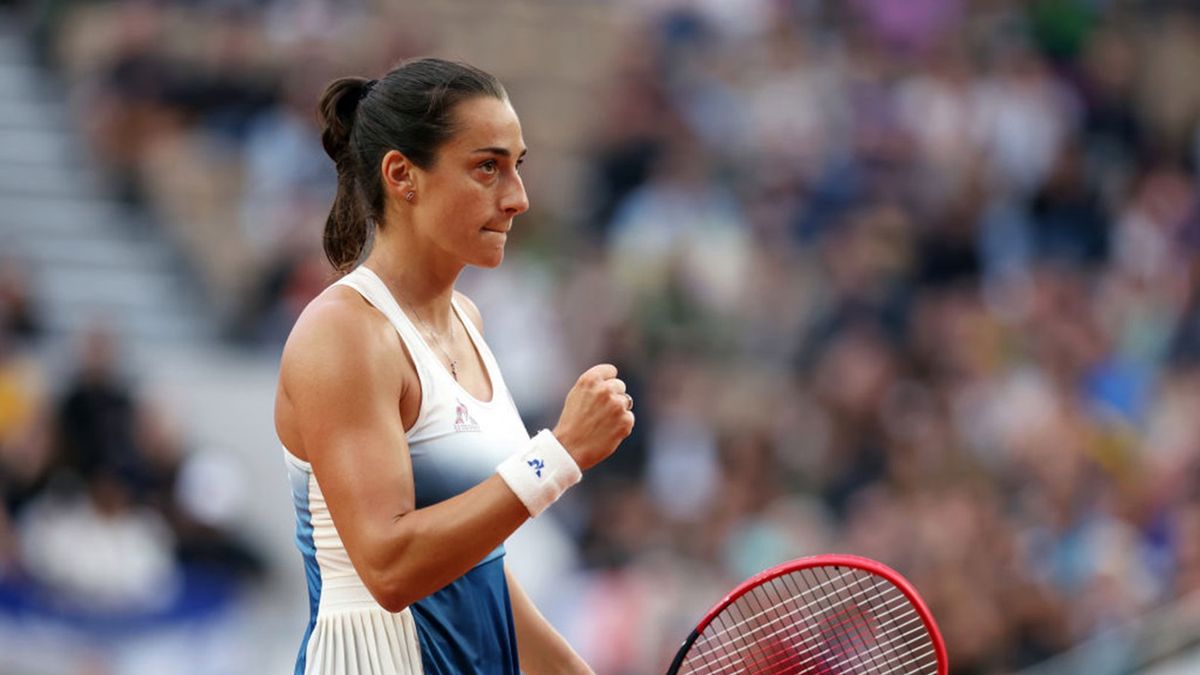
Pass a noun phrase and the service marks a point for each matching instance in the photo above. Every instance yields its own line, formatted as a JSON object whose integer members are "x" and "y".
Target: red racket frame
{"x": 833, "y": 560}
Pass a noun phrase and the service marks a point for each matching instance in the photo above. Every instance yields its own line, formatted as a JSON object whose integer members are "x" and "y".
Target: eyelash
{"x": 490, "y": 165}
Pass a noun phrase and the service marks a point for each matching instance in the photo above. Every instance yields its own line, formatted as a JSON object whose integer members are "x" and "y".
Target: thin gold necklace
{"x": 436, "y": 339}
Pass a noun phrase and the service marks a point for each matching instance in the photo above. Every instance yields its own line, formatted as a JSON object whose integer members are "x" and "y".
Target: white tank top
{"x": 454, "y": 433}
{"x": 455, "y": 443}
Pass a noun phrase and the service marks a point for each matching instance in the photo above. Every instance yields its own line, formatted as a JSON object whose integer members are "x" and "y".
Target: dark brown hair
{"x": 411, "y": 109}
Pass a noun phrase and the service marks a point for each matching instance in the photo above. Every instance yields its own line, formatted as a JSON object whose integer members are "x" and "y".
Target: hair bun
{"x": 336, "y": 111}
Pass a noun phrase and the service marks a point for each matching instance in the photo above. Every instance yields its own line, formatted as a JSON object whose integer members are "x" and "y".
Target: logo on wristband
{"x": 537, "y": 465}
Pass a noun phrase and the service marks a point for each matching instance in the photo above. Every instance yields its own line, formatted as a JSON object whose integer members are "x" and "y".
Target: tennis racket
{"x": 823, "y": 615}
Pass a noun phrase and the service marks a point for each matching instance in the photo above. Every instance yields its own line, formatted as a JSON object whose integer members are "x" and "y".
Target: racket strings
{"x": 884, "y": 654}
{"x": 850, "y": 627}
{"x": 900, "y": 642}
{"x": 865, "y": 640}
{"x": 796, "y": 596}
{"x": 851, "y": 656}
{"x": 847, "y": 656}
{"x": 918, "y": 647}
{"x": 803, "y": 610}
{"x": 775, "y": 664}
{"x": 796, "y": 628}
{"x": 823, "y": 660}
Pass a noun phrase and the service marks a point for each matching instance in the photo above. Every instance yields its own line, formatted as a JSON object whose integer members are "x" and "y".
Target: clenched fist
{"x": 596, "y": 416}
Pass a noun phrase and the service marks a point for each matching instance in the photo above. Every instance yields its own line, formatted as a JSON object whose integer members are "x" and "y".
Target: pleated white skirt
{"x": 367, "y": 641}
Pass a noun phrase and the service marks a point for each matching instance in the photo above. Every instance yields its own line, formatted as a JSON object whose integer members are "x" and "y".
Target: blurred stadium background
{"x": 912, "y": 279}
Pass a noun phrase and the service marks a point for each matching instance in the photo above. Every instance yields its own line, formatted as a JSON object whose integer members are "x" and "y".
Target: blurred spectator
{"x": 199, "y": 494}
{"x": 105, "y": 474}
{"x": 26, "y": 447}
{"x": 128, "y": 566}
{"x": 97, "y": 417}
{"x": 19, "y": 317}
{"x": 288, "y": 173}
{"x": 681, "y": 228}
{"x": 130, "y": 104}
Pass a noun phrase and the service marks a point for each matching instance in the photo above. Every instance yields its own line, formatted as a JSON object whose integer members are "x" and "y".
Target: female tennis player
{"x": 408, "y": 461}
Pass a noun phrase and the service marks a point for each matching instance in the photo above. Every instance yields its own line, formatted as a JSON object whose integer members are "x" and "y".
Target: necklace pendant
{"x": 454, "y": 369}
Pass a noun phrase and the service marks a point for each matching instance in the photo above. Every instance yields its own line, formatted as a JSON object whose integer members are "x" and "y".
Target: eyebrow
{"x": 503, "y": 152}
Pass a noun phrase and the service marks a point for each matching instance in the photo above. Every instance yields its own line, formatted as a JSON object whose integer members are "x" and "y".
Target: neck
{"x": 416, "y": 280}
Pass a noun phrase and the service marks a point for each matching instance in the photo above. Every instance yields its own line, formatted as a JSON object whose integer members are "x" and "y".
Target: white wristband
{"x": 541, "y": 473}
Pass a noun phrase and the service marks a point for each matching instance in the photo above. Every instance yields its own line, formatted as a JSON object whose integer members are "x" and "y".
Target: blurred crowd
{"x": 109, "y": 522}
{"x": 912, "y": 280}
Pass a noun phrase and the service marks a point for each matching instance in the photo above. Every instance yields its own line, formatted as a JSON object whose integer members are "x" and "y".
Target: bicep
{"x": 343, "y": 387}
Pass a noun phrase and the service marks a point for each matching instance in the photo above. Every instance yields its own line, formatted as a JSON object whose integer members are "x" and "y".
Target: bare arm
{"x": 343, "y": 376}
{"x": 543, "y": 651}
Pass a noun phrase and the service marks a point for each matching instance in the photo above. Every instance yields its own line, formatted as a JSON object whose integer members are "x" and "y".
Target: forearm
{"x": 430, "y": 547}
{"x": 543, "y": 650}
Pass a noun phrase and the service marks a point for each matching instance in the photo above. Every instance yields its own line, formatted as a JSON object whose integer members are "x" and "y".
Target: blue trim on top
{"x": 308, "y": 550}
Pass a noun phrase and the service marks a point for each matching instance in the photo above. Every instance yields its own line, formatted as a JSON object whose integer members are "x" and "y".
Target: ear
{"x": 399, "y": 174}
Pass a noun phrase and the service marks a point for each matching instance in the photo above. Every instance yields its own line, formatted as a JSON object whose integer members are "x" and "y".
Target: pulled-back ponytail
{"x": 411, "y": 110}
{"x": 346, "y": 227}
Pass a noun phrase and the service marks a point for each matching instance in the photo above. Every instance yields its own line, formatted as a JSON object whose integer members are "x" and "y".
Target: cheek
{"x": 449, "y": 202}
{"x": 473, "y": 204}
{"x": 460, "y": 215}
{"x": 465, "y": 195}
{"x": 458, "y": 209}
{"x": 466, "y": 209}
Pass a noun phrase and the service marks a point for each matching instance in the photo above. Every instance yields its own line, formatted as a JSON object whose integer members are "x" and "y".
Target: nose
{"x": 515, "y": 201}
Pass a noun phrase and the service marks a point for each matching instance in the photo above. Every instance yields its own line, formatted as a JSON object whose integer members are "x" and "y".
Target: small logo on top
{"x": 463, "y": 420}
{"x": 537, "y": 465}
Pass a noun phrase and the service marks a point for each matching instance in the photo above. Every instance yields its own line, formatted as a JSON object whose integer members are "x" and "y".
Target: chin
{"x": 490, "y": 261}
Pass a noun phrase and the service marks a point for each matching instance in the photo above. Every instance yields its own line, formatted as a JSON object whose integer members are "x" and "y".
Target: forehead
{"x": 485, "y": 122}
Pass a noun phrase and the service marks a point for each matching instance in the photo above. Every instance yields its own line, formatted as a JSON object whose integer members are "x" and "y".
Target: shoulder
{"x": 339, "y": 334}
{"x": 470, "y": 309}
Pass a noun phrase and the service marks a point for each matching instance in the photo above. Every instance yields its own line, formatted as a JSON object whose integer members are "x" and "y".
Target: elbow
{"x": 392, "y": 601}
{"x": 389, "y": 590}
{"x": 388, "y": 578}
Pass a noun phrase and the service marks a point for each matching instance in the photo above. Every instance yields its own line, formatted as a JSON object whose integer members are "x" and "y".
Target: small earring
{"x": 409, "y": 197}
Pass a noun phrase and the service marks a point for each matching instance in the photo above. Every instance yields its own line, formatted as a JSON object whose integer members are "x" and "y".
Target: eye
{"x": 519, "y": 163}
{"x": 489, "y": 167}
